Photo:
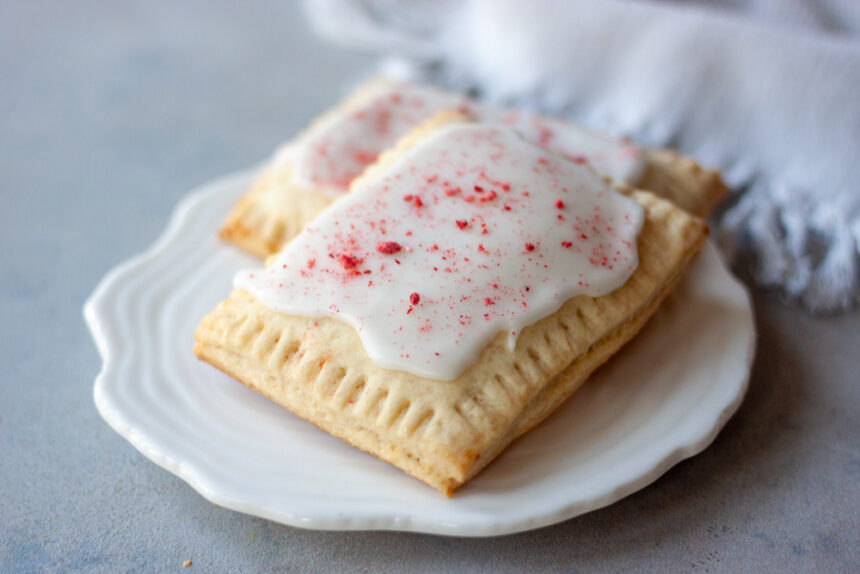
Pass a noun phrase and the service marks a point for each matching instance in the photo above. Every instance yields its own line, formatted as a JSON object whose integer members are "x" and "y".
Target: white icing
{"x": 613, "y": 157}
{"x": 485, "y": 196}
{"x": 338, "y": 149}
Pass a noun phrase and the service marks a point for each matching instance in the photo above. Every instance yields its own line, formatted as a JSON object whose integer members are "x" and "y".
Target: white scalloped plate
{"x": 662, "y": 399}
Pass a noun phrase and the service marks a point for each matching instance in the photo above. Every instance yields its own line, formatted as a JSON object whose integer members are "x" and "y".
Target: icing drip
{"x": 338, "y": 149}
{"x": 473, "y": 232}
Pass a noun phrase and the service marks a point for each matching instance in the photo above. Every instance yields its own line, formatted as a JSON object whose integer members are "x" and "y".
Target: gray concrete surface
{"x": 109, "y": 113}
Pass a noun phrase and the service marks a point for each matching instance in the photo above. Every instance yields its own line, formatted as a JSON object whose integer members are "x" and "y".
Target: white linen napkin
{"x": 766, "y": 90}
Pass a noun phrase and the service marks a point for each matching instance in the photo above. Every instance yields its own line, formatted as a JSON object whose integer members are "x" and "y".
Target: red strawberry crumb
{"x": 417, "y": 202}
{"x": 348, "y": 261}
{"x": 452, "y": 191}
{"x": 488, "y": 301}
{"x": 566, "y": 244}
{"x": 559, "y": 204}
{"x": 488, "y": 196}
{"x": 414, "y": 298}
{"x": 530, "y": 246}
{"x": 407, "y": 197}
{"x": 462, "y": 223}
{"x": 388, "y": 247}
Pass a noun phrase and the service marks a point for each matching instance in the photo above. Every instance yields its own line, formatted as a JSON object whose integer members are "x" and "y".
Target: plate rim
{"x": 98, "y": 323}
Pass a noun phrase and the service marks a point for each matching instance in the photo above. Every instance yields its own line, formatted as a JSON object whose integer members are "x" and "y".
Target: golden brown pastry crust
{"x": 272, "y": 212}
{"x": 681, "y": 180}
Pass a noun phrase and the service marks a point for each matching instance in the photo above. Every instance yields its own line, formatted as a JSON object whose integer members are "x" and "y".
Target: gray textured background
{"x": 109, "y": 114}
